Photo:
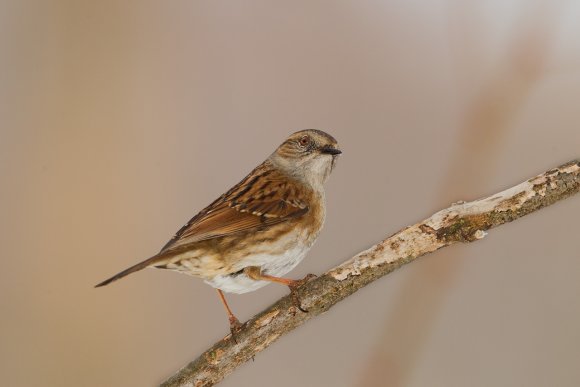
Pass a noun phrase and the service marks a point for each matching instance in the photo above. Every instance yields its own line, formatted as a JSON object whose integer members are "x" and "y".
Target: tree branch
{"x": 462, "y": 222}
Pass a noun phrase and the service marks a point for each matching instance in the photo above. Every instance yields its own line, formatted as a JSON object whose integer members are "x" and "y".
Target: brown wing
{"x": 264, "y": 198}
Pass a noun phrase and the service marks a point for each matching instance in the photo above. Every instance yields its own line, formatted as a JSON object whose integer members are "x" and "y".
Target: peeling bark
{"x": 462, "y": 222}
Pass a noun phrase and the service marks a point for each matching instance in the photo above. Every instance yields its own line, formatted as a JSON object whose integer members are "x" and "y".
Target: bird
{"x": 261, "y": 228}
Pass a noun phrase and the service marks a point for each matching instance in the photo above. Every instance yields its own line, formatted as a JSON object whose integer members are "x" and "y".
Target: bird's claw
{"x": 235, "y": 327}
{"x": 294, "y": 286}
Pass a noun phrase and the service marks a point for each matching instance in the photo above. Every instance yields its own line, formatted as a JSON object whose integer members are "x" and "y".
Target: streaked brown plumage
{"x": 262, "y": 227}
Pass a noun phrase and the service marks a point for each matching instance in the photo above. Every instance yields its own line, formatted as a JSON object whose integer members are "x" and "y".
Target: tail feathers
{"x": 132, "y": 269}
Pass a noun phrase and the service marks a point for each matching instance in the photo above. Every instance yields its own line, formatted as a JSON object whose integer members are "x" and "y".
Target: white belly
{"x": 275, "y": 265}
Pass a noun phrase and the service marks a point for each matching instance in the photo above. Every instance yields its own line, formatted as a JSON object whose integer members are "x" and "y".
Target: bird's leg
{"x": 255, "y": 273}
{"x": 235, "y": 324}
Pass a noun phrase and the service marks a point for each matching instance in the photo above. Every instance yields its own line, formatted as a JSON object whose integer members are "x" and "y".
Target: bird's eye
{"x": 304, "y": 141}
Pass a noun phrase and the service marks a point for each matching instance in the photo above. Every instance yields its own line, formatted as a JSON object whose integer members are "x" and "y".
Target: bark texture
{"x": 462, "y": 222}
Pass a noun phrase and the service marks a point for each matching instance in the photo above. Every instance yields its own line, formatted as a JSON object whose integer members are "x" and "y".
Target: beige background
{"x": 120, "y": 120}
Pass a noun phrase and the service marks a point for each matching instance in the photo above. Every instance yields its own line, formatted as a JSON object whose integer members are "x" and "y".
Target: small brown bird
{"x": 261, "y": 228}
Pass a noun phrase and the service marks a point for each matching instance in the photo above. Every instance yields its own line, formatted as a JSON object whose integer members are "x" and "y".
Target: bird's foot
{"x": 294, "y": 286}
{"x": 235, "y": 327}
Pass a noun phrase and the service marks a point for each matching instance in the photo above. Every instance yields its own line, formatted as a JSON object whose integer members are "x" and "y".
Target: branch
{"x": 462, "y": 222}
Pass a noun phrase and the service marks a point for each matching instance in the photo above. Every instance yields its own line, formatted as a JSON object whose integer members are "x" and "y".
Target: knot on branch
{"x": 464, "y": 229}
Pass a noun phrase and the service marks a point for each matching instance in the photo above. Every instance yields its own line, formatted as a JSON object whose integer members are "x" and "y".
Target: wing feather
{"x": 263, "y": 199}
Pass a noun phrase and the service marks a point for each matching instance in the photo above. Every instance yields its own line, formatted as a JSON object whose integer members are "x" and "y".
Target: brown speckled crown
{"x": 291, "y": 147}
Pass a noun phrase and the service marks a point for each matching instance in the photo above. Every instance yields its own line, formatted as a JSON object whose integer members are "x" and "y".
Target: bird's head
{"x": 308, "y": 155}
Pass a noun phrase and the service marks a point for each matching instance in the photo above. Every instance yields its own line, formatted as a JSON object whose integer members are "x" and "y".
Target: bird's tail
{"x": 132, "y": 269}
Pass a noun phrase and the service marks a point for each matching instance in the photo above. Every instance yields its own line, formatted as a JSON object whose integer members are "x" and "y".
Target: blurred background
{"x": 120, "y": 120}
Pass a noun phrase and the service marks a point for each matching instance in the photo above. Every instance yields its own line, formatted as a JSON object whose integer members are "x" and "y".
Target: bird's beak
{"x": 330, "y": 150}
